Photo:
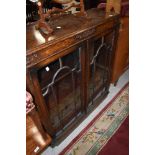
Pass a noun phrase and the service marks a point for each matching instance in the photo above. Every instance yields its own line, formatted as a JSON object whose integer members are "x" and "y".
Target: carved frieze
{"x": 85, "y": 34}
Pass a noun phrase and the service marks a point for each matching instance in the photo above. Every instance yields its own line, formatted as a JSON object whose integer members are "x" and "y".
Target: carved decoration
{"x": 56, "y": 47}
{"x": 31, "y": 58}
{"x": 85, "y": 34}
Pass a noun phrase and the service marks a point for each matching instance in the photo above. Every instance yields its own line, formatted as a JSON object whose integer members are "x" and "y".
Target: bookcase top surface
{"x": 65, "y": 26}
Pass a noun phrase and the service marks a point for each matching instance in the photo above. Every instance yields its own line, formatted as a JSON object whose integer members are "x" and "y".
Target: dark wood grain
{"x": 69, "y": 71}
{"x": 121, "y": 59}
{"x": 75, "y": 25}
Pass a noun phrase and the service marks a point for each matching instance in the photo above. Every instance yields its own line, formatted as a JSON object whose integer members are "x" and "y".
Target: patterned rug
{"x": 99, "y": 131}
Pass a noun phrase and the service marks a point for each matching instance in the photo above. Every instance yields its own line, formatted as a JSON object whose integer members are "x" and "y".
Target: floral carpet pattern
{"x": 103, "y": 127}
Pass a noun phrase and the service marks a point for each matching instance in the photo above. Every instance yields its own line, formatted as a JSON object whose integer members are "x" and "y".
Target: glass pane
{"x": 100, "y": 61}
{"x": 61, "y": 84}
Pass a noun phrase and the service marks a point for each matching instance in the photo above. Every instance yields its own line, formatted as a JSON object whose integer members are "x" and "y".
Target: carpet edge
{"x": 94, "y": 119}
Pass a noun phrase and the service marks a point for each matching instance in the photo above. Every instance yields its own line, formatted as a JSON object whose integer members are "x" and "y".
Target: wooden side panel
{"x": 36, "y": 138}
{"x": 122, "y": 52}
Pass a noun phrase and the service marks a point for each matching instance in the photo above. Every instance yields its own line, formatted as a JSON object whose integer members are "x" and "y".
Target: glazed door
{"x": 61, "y": 84}
{"x": 100, "y": 56}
